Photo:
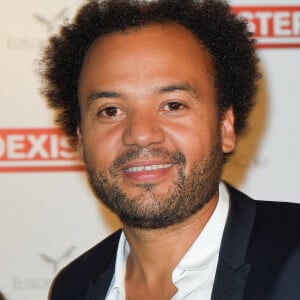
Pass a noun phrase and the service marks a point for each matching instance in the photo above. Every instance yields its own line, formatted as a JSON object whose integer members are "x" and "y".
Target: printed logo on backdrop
{"x": 53, "y": 22}
{"x": 49, "y": 22}
{"x": 36, "y": 149}
{"x": 54, "y": 262}
{"x": 273, "y": 26}
{"x": 21, "y": 284}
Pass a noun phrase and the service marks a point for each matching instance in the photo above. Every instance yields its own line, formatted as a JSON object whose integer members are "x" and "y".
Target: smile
{"x": 148, "y": 168}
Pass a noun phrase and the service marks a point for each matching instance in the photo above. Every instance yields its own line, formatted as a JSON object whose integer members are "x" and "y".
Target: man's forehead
{"x": 154, "y": 31}
{"x": 153, "y": 42}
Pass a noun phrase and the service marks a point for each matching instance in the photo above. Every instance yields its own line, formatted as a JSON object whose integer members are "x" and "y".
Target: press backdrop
{"x": 48, "y": 215}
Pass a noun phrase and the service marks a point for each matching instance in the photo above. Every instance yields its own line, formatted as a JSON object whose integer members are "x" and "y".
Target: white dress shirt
{"x": 195, "y": 273}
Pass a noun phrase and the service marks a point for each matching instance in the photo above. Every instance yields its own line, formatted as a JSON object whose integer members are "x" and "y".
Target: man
{"x": 153, "y": 96}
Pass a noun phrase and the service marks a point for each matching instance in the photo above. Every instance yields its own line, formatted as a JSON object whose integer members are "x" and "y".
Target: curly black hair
{"x": 225, "y": 35}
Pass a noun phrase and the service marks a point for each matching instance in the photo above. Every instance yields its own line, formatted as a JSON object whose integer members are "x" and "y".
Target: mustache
{"x": 175, "y": 157}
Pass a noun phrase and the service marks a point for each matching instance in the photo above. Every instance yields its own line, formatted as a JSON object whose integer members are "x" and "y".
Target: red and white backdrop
{"x": 48, "y": 215}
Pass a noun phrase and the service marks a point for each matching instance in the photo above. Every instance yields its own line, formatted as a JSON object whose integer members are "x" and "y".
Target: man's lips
{"x": 147, "y": 168}
{"x": 147, "y": 171}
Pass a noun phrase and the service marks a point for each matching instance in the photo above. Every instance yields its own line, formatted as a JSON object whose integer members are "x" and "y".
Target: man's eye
{"x": 173, "y": 106}
{"x": 110, "y": 111}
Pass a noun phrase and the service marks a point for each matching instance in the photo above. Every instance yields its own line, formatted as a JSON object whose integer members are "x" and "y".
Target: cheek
{"x": 102, "y": 147}
{"x": 194, "y": 140}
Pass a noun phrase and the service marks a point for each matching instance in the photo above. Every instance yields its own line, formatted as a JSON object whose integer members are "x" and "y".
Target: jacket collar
{"x": 232, "y": 269}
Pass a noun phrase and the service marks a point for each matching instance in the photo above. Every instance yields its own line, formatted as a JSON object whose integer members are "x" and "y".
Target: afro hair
{"x": 224, "y": 34}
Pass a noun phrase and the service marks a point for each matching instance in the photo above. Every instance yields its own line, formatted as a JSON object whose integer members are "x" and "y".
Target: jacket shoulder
{"x": 273, "y": 246}
{"x": 281, "y": 219}
{"x": 269, "y": 211}
{"x": 274, "y": 251}
{"x": 73, "y": 281}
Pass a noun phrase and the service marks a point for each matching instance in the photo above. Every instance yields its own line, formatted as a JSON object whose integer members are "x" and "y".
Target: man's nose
{"x": 143, "y": 130}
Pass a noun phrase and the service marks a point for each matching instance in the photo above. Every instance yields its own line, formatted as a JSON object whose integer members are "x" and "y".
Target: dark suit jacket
{"x": 259, "y": 257}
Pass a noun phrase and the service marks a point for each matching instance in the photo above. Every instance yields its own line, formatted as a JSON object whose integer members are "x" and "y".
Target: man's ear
{"x": 228, "y": 136}
{"x": 79, "y": 144}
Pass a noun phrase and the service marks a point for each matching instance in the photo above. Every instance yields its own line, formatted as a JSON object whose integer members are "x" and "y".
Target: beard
{"x": 149, "y": 209}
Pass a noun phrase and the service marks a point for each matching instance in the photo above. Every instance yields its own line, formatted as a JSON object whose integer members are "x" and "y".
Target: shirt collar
{"x": 117, "y": 283}
{"x": 207, "y": 244}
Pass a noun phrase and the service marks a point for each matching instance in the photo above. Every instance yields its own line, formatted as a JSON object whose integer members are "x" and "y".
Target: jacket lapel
{"x": 232, "y": 269}
{"x": 99, "y": 285}
{"x": 98, "y": 289}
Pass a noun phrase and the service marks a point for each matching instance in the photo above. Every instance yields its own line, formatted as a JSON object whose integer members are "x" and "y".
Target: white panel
{"x": 49, "y": 218}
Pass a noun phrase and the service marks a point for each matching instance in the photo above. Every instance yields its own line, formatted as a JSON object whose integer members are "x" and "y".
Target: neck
{"x": 155, "y": 253}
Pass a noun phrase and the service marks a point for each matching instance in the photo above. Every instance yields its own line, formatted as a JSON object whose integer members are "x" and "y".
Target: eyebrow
{"x": 185, "y": 86}
{"x": 94, "y": 95}
{"x": 174, "y": 87}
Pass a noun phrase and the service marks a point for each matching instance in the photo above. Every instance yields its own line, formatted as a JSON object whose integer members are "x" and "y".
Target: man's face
{"x": 150, "y": 134}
